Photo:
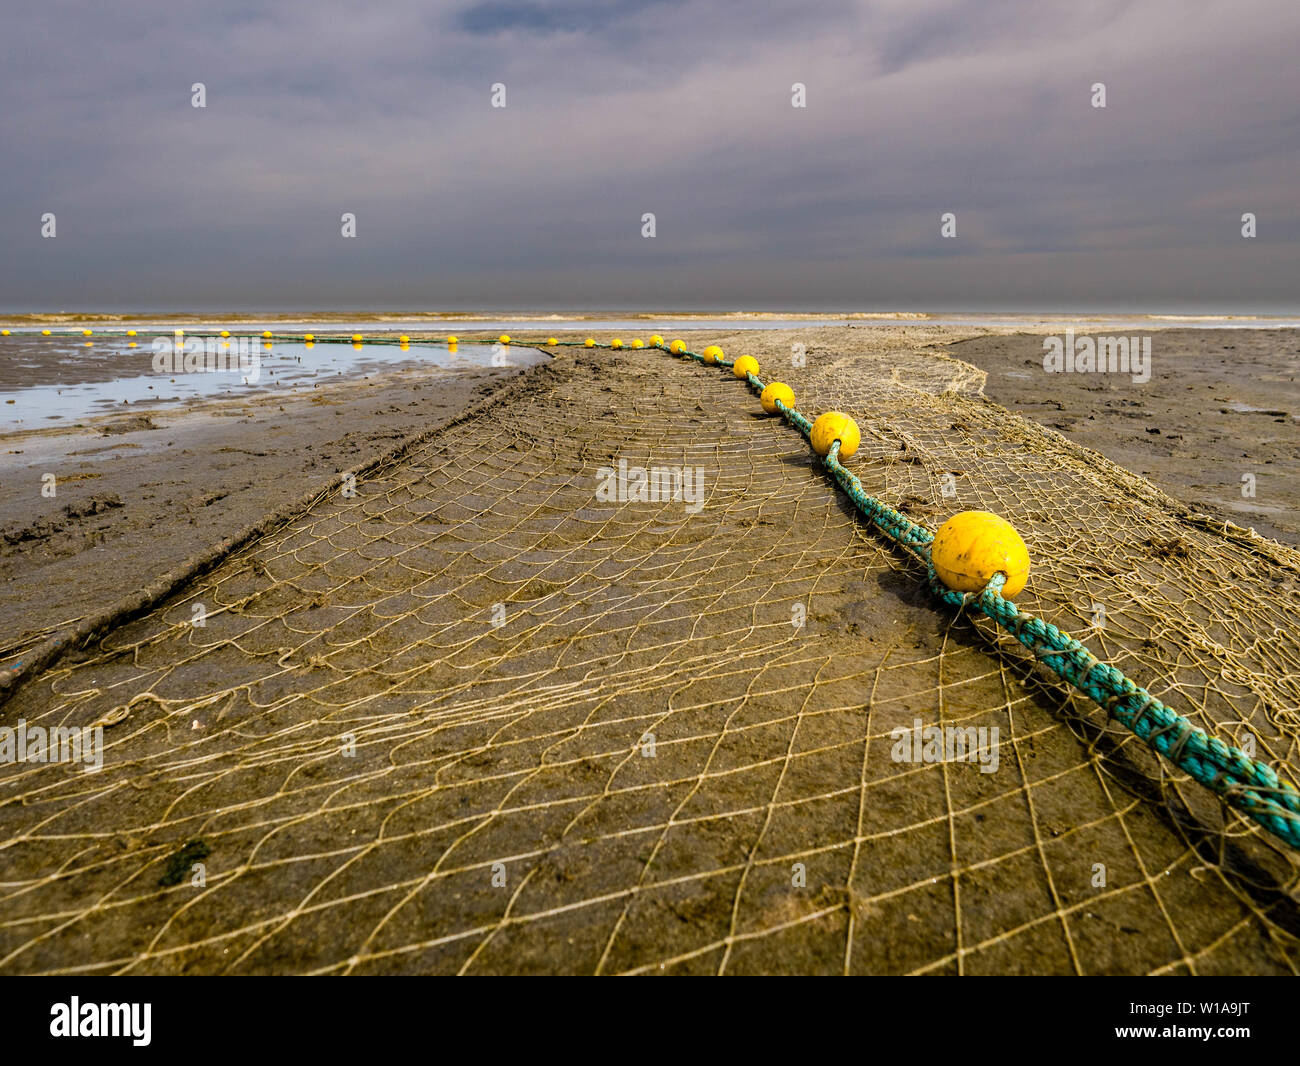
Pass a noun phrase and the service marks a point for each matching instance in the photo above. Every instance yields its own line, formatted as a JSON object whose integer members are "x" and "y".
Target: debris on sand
{"x": 180, "y": 864}
{"x": 127, "y": 425}
{"x": 47, "y": 527}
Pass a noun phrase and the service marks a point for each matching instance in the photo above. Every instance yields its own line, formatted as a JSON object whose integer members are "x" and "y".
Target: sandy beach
{"x": 1220, "y": 404}
{"x": 1228, "y": 402}
{"x": 141, "y": 493}
{"x": 475, "y": 718}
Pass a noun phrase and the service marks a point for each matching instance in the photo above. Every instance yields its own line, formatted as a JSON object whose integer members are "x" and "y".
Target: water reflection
{"x": 49, "y": 380}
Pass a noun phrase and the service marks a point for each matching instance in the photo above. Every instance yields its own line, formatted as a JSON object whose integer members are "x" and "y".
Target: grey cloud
{"x": 678, "y": 107}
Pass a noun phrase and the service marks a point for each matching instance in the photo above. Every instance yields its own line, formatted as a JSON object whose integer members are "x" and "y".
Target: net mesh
{"x": 474, "y": 719}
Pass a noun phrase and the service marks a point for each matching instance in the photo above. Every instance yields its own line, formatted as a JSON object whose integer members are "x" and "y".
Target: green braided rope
{"x": 1244, "y": 783}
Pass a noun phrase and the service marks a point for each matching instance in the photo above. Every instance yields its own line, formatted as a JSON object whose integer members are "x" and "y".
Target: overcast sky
{"x": 682, "y": 108}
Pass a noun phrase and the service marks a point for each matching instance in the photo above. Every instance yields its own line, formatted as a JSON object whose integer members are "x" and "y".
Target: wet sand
{"x": 139, "y": 493}
{"x": 1220, "y": 405}
{"x": 519, "y": 749}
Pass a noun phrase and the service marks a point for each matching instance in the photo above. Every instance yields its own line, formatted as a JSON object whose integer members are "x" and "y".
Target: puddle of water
{"x": 1247, "y": 409}
{"x": 1246, "y": 508}
{"x": 70, "y": 382}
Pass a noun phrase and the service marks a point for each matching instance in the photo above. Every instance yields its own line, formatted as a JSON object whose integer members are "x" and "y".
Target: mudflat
{"x": 139, "y": 493}
{"x": 1217, "y": 425}
{"x": 477, "y": 718}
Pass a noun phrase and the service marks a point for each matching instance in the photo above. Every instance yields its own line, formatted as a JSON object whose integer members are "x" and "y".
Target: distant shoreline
{"x": 219, "y": 318}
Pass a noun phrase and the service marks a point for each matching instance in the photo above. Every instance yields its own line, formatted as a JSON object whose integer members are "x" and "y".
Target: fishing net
{"x": 475, "y": 718}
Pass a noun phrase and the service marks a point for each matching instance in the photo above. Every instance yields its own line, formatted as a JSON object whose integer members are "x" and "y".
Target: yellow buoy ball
{"x": 45, "y": 333}
{"x": 266, "y": 333}
{"x": 617, "y": 342}
{"x": 677, "y": 347}
{"x": 224, "y": 333}
{"x": 590, "y": 342}
{"x": 972, "y": 546}
{"x": 504, "y": 338}
{"x": 404, "y": 339}
{"x": 637, "y": 343}
{"x": 4, "y": 332}
{"x": 453, "y": 340}
{"x": 835, "y": 426}
{"x": 656, "y": 341}
{"x": 551, "y": 342}
{"x": 305, "y": 336}
{"x": 746, "y": 364}
{"x": 85, "y": 333}
{"x": 130, "y": 333}
{"x": 357, "y": 338}
{"x": 778, "y": 390}
{"x": 711, "y": 354}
